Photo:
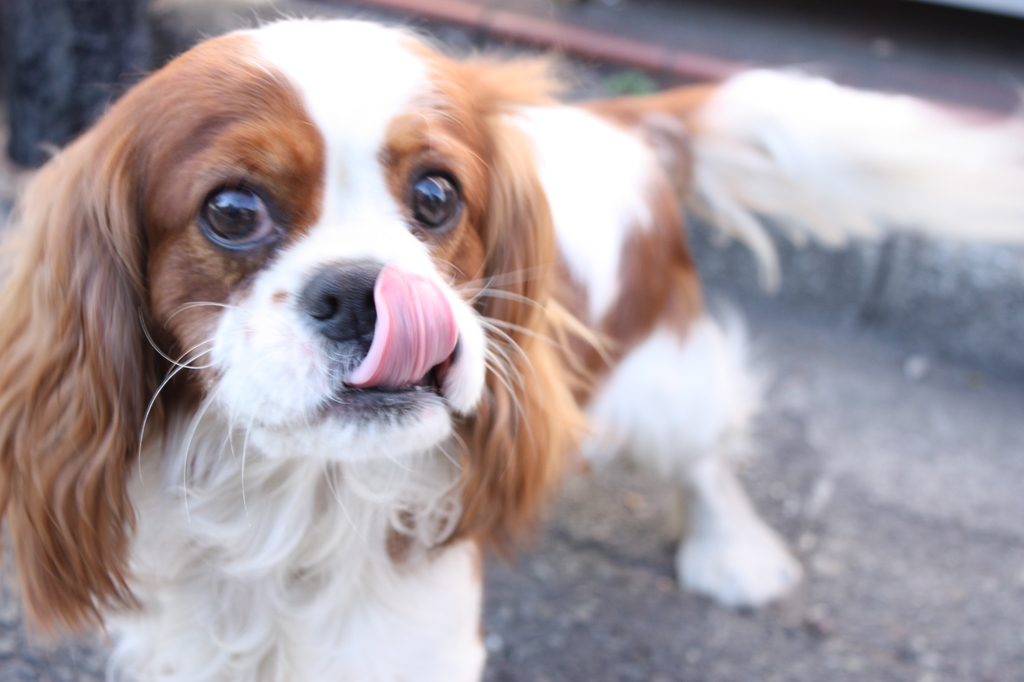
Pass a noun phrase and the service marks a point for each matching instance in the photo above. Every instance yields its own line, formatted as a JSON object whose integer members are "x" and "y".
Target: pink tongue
{"x": 414, "y": 332}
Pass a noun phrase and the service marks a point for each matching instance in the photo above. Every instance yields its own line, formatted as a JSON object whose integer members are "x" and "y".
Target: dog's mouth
{"x": 391, "y": 402}
{"x": 414, "y": 335}
{"x": 415, "y": 341}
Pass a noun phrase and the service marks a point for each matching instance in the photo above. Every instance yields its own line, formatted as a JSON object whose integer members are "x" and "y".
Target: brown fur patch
{"x": 658, "y": 280}
{"x": 215, "y": 118}
{"x": 678, "y": 103}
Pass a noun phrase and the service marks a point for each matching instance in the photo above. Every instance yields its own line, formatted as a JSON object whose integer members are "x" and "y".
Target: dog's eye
{"x": 236, "y": 218}
{"x": 435, "y": 201}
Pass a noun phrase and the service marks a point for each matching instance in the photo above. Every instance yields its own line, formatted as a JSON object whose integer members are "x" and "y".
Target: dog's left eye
{"x": 435, "y": 202}
{"x": 236, "y": 218}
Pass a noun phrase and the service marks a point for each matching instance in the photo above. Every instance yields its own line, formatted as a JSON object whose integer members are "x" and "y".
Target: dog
{"x": 316, "y": 315}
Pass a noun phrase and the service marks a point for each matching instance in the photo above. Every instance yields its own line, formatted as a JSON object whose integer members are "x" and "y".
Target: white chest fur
{"x": 292, "y": 581}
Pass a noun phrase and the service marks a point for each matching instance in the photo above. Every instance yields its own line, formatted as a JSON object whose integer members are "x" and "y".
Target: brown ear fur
{"x": 528, "y": 420}
{"x": 72, "y": 385}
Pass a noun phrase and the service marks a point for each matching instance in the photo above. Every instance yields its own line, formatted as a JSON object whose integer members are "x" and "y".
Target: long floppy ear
{"x": 529, "y": 420}
{"x": 72, "y": 384}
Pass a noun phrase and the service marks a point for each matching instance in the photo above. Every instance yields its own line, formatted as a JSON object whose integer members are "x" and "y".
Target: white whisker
{"x": 199, "y": 304}
{"x": 245, "y": 447}
{"x": 193, "y": 425}
{"x": 145, "y": 417}
{"x": 329, "y": 473}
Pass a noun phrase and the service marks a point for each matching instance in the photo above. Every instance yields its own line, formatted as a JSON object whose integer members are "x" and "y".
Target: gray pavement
{"x": 896, "y": 473}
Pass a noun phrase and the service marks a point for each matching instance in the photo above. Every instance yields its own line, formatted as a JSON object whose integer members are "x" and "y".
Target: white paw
{"x": 746, "y": 568}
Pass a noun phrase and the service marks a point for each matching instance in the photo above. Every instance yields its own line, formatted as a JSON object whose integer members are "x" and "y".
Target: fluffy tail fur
{"x": 829, "y": 162}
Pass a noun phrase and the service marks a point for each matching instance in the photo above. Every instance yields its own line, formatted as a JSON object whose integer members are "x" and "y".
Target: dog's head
{"x": 325, "y": 235}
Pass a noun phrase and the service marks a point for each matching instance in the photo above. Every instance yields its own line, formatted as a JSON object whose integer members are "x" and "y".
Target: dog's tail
{"x": 829, "y": 162}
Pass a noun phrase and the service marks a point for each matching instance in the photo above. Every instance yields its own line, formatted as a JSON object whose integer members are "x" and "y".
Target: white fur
{"x": 832, "y": 162}
{"x": 354, "y": 76}
{"x": 729, "y": 553}
{"x": 276, "y": 570}
{"x": 673, "y": 399}
{"x": 680, "y": 406}
{"x": 595, "y": 176}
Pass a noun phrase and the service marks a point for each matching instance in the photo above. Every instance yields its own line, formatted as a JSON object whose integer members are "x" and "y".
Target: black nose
{"x": 339, "y": 301}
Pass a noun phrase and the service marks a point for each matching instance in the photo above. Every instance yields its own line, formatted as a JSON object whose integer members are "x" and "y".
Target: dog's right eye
{"x": 236, "y": 218}
{"x": 435, "y": 202}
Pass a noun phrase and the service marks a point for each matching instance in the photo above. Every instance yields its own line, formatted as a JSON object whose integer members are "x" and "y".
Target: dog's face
{"x": 323, "y": 236}
{"x": 316, "y": 236}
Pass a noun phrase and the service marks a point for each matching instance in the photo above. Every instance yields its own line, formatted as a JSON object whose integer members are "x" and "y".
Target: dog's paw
{"x": 744, "y": 569}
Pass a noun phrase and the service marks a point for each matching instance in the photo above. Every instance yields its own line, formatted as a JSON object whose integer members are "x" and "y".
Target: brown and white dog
{"x": 312, "y": 316}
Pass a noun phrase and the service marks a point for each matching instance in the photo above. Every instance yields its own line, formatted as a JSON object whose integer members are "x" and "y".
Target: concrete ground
{"x": 895, "y": 474}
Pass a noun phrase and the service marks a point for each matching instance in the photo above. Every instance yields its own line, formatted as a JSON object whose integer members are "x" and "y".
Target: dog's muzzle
{"x": 403, "y": 320}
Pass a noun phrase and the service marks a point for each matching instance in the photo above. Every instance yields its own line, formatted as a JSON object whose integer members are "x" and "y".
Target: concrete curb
{"x": 933, "y": 297}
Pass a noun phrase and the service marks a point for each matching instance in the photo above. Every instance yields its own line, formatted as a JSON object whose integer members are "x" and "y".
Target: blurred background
{"x": 891, "y": 452}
